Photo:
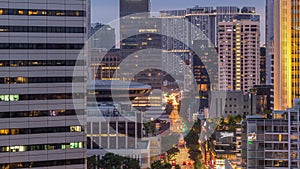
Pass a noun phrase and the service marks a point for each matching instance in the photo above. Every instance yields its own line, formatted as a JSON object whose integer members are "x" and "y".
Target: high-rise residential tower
{"x": 239, "y": 55}
{"x": 206, "y": 19}
{"x": 40, "y": 44}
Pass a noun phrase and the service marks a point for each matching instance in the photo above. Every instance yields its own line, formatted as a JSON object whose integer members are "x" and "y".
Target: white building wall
{"x": 28, "y": 111}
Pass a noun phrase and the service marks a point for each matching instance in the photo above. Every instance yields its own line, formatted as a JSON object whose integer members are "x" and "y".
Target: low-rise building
{"x": 257, "y": 101}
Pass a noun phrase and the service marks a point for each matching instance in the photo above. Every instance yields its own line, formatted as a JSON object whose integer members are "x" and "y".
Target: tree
{"x": 112, "y": 161}
{"x": 237, "y": 119}
{"x": 91, "y": 162}
{"x": 172, "y": 153}
{"x": 156, "y": 164}
{"x": 130, "y": 163}
{"x": 167, "y": 166}
{"x": 198, "y": 165}
{"x": 197, "y": 127}
{"x": 191, "y": 140}
{"x": 195, "y": 154}
{"x": 147, "y": 129}
{"x": 150, "y": 127}
{"x": 229, "y": 120}
{"x": 159, "y": 165}
{"x": 221, "y": 125}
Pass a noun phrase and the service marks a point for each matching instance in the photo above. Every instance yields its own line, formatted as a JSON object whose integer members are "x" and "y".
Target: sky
{"x": 105, "y": 11}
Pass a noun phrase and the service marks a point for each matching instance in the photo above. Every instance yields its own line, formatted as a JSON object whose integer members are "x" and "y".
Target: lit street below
{"x": 183, "y": 160}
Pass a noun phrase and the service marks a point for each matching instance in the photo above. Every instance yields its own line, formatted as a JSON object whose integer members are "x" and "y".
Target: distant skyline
{"x": 105, "y": 11}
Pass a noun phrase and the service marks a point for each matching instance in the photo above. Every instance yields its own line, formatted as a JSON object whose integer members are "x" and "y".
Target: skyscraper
{"x": 129, "y": 7}
{"x": 239, "y": 55}
{"x": 286, "y": 53}
{"x": 140, "y": 54}
{"x": 139, "y": 33}
{"x": 207, "y": 19}
{"x": 269, "y": 42}
{"x": 40, "y": 43}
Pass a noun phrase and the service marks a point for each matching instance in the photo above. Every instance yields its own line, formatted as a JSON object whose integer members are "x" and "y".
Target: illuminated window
{"x": 21, "y": 12}
{"x": 17, "y": 148}
{"x": 4, "y": 131}
{"x": 33, "y": 12}
{"x": 280, "y": 137}
{"x": 14, "y": 131}
{"x": 22, "y": 80}
{"x": 76, "y": 145}
{"x": 8, "y": 98}
{"x": 75, "y": 128}
{"x": 3, "y": 30}
{"x": 60, "y": 13}
{"x": 35, "y": 63}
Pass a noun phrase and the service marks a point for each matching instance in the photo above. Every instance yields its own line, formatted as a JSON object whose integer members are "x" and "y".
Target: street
{"x": 183, "y": 160}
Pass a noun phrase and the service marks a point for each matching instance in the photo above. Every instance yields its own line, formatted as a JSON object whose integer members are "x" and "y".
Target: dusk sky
{"x": 105, "y": 11}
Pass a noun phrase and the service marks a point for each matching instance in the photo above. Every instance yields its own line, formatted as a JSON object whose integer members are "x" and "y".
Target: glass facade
{"x": 286, "y": 53}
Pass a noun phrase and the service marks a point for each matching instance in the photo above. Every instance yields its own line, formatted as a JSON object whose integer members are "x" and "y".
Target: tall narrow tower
{"x": 286, "y": 53}
{"x": 140, "y": 34}
{"x": 239, "y": 55}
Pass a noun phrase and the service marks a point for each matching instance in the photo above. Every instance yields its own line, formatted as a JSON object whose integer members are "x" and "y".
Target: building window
{"x": 75, "y": 128}
{"x": 36, "y": 12}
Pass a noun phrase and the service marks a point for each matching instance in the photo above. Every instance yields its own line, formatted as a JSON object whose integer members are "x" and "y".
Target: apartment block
{"x": 272, "y": 141}
{"x": 239, "y": 55}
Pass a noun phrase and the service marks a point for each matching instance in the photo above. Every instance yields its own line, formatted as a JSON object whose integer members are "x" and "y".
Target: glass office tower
{"x": 286, "y": 53}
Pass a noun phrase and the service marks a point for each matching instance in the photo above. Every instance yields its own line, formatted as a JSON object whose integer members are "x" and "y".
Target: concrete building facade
{"x": 239, "y": 55}
{"x": 272, "y": 141}
{"x": 102, "y": 36}
{"x": 40, "y": 44}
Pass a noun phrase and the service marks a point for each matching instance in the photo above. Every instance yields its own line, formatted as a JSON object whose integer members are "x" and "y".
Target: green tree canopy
{"x": 172, "y": 153}
{"x": 160, "y": 165}
{"x": 113, "y": 161}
